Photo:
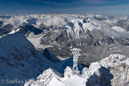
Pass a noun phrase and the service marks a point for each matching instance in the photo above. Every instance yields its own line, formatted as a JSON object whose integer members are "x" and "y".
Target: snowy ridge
{"x": 74, "y": 24}
{"x": 20, "y": 60}
{"x": 44, "y": 78}
{"x": 101, "y": 73}
{"x": 78, "y": 26}
{"x": 93, "y": 34}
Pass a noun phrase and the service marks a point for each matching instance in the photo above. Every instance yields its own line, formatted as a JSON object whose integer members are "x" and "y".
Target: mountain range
{"x": 30, "y": 44}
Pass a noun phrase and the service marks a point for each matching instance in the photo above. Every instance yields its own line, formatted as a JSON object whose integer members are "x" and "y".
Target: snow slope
{"x": 20, "y": 60}
{"x": 111, "y": 71}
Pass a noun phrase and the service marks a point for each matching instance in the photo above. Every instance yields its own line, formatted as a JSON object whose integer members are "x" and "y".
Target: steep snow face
{"x": 111, "y": 71}
{"x": 20, "y": 60}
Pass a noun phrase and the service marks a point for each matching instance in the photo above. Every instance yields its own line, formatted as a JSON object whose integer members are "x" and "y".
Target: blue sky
{"x": 119, "y": 7}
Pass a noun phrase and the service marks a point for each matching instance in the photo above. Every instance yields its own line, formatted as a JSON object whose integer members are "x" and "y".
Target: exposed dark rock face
{"x": 5, "y": 29}
{"x": 30, "y": 28}
{"x": 47, "y": 53}
{"x": 1, "y": 23}
{"x": 104, "y": 79}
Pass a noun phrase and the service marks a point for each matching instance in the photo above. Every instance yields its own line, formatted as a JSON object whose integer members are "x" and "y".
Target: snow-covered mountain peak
{"x": 20, "y": 60}
{"x": 74, "y": 24}
{"x": 18, "y": 55}
{"x": 101, "y": 73}
{"x": 10, "y": 41}
{"x": 95, "y": 35}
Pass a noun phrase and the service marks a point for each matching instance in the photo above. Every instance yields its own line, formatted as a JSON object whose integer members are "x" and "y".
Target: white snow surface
{"x": 20, "y": 60}
{"x": 118, "y": 29}
{"x": 71, "y": 79}
{"x": 35, "y": 40}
